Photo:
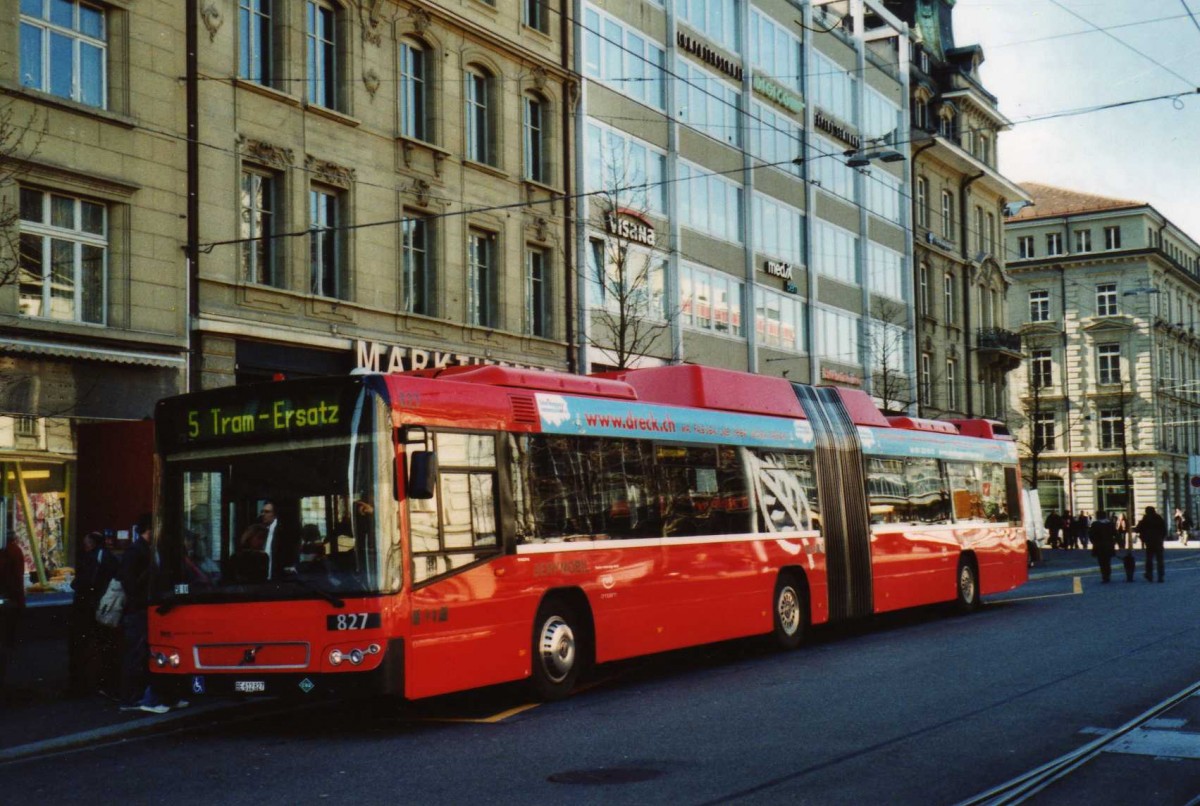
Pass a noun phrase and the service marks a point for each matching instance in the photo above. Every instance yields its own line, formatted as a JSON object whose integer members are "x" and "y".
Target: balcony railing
{"x": 997, "y": 338}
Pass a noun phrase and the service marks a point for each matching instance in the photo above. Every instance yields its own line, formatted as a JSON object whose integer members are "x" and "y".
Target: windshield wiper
{"x": 308, "y": 586}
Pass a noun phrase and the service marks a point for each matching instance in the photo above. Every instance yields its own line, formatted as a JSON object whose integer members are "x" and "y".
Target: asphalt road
{"x": 923, "y": 708}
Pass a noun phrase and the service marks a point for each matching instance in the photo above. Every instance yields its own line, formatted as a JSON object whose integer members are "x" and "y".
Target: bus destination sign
{"x": 292, "y": 409}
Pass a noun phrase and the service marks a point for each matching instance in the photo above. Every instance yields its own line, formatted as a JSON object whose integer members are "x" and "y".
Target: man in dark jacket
{"x": 134, "y": 575}
{"x": 12, "y": 598}
{"x": 1104, "y": 543}
{"x": 1054, "y": 524}
{"x": 89, "y": 640}
{"x": 1153, "y": 531}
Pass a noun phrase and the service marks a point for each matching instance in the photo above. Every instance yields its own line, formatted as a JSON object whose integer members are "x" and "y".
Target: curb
{"x": 141, "y": 727}
{"x": 1094, "y": 569}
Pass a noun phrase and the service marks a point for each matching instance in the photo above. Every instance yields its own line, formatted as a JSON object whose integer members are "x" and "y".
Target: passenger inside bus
{"x": 251, "y": 563}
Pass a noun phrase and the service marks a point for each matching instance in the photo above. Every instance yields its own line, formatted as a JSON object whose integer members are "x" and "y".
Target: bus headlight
{"x": 356, "y": 656}
{"x": 336, "y": 657}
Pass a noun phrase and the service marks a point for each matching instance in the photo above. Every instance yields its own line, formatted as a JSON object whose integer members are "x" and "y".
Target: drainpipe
{"x": 963, "y": 231}
{"x": 913, "y": 323}
{"x": 192, "y": 102}
{"x": 565, "y": 35}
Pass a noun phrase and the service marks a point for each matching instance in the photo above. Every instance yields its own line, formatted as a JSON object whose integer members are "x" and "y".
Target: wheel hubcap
{"x": 788, "y": 608}
{"x": 557, "y": 648}
{"x": 966, "y": 584}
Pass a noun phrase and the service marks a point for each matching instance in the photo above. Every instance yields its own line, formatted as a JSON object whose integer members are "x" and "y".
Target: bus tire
{"x": 966, "y": 582}
{"x": 558, "y": 649}
{"x": 789, "y": 612}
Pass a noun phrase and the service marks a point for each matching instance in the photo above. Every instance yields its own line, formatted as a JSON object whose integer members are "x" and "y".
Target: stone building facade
{"x": 93, "y": 296}
{"x": 964, "y": 348}
{"x": 381, "y": 184}
{"x": 1106, "y": 294}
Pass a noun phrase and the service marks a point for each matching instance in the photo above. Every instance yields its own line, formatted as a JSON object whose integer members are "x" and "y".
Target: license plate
{"x": 249, "y": 686}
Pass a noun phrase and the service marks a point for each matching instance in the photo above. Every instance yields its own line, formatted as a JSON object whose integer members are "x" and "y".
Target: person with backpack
{"x": 1153, "y": 531}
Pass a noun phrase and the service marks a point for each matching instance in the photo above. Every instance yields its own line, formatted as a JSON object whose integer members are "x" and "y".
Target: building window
{"x": 534, "y": 14}
{"x": 989, "y": 241}
{"x": 254, "y": 54}
{"x": 479, "y": 110}
{"x": 920, "y": 113}
{"x": 926, "y": 381}
{"x": 1039, "y": 306}
{"x": 1041, "y": 369}
{"x": 325, "y": 242}
{"x": 1083, "y": 241}
{"x": 948, "y": 214}
{"x": 949, "y": 295}
{"x": 778, "y": 229}
{"x": 321, "y": 36}
{"x": 625, "y": 58}
{"x": 27, "y": 426}
{"x": 983, "y": 148}
{"x": 621, "y": 165}
{"x": 63, "y": 261}
{"x": 419, "y": 294}
{"x": 1054, "y": 243}
{"x": 713, "y": 204}
{"x": 922, "y": 201}
{"x": 1043, "y": 431}
{"x": 979, "y": 228}
{"x": 708, "y": 102}
{"x": 951, "y": 383}
{"x": 64, "y": 50}
{"x": 1025, "y": 246}
{"x": 1108, "y": 363}
{"x": 926, "y": 291}
{"x": 1112, "y": 238}
{"x": 415, "y": 118}
{"x": 1112, "y": 429}
{"x": 537, "y": 292}
{"x": 712, "y": 300}
{"x": 481, "y": 278}
{"x": 1106, "y": 299}
{"x": 535, "y": 139}
{"x": 258, "y": 228}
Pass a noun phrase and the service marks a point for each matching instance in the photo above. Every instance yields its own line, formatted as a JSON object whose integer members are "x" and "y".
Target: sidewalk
{"x": 37, "y": 718}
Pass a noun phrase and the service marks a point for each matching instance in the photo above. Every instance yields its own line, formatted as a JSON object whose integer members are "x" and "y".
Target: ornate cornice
{"x": 330, "y": 172}
{"x": 266, "y": 153}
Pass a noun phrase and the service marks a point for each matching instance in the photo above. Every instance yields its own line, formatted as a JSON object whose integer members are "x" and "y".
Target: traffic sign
{"x": 1077, "y": 466}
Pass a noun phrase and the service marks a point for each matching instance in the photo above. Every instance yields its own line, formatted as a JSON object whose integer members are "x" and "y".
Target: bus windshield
{"x": 283, "y": 519}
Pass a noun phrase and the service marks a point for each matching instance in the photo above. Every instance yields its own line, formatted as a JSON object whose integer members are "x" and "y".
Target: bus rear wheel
{"x": 789, "y": 612}
{"x": 968, "y": 586}
{"x": 558, "y": 650}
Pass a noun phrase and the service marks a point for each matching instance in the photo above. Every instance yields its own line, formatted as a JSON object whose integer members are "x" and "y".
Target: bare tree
{"x": 629, "y": 312}
{"x": 892, "y": 382}
{"x": 20, "y": 139}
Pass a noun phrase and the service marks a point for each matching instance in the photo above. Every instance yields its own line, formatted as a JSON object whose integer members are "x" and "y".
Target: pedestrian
{"x": 1054, "y": 524}
{"x": 1122, "y": 527}
{"x": 12, "y": 599}
{"x": 1103, "y": 535}
{"x": 1079, "y": 530}
{"x": 1185, "y": 530}
{"x": 137, "y": 689}
{"x": 93, "y": 571}
{"x": 1177, "y": 522}
{"x": 1153, "y": 531}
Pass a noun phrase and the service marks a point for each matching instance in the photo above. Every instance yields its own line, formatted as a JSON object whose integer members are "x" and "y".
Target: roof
{"x": 1049, "y": 201}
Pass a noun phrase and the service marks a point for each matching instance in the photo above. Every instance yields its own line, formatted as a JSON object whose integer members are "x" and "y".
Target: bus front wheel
{"x": 557, "y": 650}
{"x": 788, "y": 612}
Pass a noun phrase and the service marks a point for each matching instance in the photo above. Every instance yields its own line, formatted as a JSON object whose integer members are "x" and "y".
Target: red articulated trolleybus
{"x": 442, "y": 530}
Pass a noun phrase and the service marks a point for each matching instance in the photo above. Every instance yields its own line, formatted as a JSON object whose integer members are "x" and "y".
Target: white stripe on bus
{"x": 657, "y": 542}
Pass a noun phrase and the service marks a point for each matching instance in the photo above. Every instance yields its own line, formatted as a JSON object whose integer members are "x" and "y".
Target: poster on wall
{"x": 47, "y": 530}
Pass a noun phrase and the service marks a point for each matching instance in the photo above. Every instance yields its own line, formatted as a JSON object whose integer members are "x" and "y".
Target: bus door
{"x": 841, "y": 486}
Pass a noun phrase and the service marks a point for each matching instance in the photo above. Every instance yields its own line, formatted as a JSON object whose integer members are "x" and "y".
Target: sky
{"x": 1046, "y": 56}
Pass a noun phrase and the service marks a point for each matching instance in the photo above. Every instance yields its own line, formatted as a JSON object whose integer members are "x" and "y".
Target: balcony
{"x": 998, "y": 346}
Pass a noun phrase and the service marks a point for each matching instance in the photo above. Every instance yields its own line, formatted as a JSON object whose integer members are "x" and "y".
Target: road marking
{"x": 1158, "y": 743}
{"x": 483, "y": 720}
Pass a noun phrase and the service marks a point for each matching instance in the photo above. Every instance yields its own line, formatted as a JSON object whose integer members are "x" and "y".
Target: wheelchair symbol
{"x": 197, "y": 685}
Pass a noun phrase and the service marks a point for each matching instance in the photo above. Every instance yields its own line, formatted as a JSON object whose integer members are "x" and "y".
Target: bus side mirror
{"x": 422, "y": 474}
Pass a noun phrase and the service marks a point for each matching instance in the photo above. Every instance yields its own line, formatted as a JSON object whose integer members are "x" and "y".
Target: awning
{"x": 89, "y": 353}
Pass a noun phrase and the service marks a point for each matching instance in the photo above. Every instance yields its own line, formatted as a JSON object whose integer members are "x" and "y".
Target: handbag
{"x": 112, "y": 604}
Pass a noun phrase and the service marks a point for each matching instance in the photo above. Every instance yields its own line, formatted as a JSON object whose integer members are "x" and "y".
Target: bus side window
{"x": 785, "y": 490}
{"x": 927, "y": 494}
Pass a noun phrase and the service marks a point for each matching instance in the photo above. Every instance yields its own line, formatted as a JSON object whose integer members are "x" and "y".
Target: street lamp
{"x": 858, "y": 158}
